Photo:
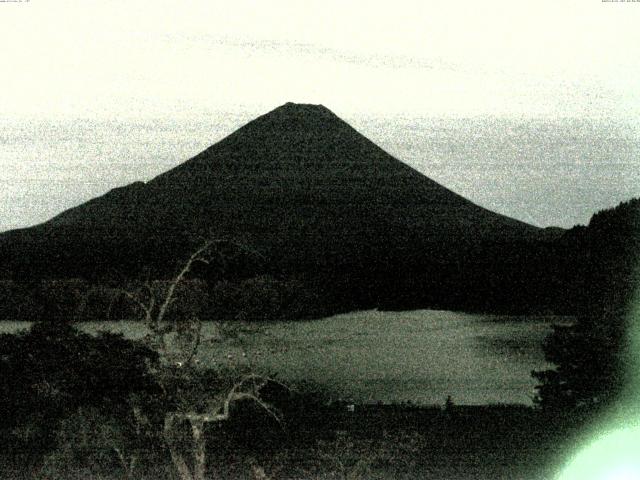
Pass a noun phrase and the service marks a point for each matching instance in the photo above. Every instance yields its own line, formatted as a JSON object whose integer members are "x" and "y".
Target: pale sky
{"x": 136, "y": 61}
{"x": 140, "y": 58}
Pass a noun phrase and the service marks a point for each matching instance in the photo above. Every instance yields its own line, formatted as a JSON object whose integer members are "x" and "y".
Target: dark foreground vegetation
{"x": 507, "y": 447}
{"x": 595, "y": 356}
{"x": 78, "y": 406}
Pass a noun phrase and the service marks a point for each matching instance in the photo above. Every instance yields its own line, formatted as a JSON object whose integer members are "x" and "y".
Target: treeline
{"x": 259, "y": 298}
{"x": 594, "y": 357}
{"x": 553, "y": 272}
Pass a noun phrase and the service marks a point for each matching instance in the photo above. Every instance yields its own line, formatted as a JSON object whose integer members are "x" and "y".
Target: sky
{"x": 102, "y": 84}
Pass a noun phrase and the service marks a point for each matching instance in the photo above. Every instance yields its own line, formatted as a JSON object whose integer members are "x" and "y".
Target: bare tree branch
{"x": 176, "y": 457}
{"x": 199, "y": 454}
{"x": 155, "y": 304}
{"x": 197, "y": 256}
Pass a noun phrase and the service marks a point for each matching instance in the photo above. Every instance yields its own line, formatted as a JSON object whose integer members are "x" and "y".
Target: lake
{"x": 419, "y": 356}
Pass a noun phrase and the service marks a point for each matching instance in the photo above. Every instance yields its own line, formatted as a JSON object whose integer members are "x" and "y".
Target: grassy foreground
{"x": 394, "y": 442}
{"x": 379, "y": 442}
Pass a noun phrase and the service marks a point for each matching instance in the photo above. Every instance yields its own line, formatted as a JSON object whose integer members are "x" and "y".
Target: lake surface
{"x": 419, "y": 356}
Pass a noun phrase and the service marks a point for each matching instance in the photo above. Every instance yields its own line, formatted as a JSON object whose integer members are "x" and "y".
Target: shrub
{"x": 52, "y": 370}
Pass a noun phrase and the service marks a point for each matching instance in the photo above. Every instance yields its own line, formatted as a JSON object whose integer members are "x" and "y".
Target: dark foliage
{"x": 18, "y": 301}
{"x": 592, "y": 355}
{"x": 394, "y": 441}
{"x": 261, "y": 298}
{"x": 303, "y": 409}
{"x": 52, "y": 370}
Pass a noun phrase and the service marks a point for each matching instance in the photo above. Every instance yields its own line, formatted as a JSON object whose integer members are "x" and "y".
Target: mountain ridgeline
{"x": 321, "y": 207}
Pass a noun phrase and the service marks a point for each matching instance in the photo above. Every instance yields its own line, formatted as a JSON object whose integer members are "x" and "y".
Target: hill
{"x": 317, "y": 200}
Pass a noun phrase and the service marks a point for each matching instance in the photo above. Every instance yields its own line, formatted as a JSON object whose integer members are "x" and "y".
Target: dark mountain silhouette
{"x": 319, "y": 201}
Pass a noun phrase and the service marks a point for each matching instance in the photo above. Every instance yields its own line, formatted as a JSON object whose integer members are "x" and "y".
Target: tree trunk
{"x": 199, "y": 453}
{"x": 176, "y": 457}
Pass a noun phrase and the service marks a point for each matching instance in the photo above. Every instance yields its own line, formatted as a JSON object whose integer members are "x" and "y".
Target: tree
{"x": 93, "y": 440}
{"x": 192, "y": 394}
{"x": 52, "y": 371}
{"x": 593, "y": 356}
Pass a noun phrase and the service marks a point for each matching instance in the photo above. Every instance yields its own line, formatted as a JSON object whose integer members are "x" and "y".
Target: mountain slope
{"x": 302, "y": 166}
{"x": 299, "y": 185}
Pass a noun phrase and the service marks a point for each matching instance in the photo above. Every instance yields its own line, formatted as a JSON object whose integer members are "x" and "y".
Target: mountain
{"x": 314, "y": 197}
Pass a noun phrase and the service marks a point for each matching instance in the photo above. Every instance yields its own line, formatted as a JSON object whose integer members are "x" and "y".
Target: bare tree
{"x": 177, "y": 340}
{"x": 154, "y": 301}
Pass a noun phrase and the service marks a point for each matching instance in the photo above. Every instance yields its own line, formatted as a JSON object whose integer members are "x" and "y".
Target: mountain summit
{"x": 297, "y": 184}
{"x": 297, "y": 164}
